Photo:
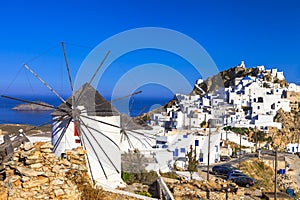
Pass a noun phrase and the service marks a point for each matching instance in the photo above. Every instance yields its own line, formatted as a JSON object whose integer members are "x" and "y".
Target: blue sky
{"x": 258, "y": 32}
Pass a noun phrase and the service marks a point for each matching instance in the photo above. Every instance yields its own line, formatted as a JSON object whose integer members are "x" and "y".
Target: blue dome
{"x": 246, "y": 78}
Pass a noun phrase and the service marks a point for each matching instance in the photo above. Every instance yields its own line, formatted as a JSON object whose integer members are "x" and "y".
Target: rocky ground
{"x": 215, "y": 189}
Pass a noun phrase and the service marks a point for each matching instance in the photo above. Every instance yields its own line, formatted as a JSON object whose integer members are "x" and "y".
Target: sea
{"x": 37, "y": 118}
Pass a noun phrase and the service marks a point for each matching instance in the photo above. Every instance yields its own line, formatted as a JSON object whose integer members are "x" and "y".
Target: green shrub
{"x": 169, "y": 175}
{"x": 144, "y": 177}
{"x": 126, "y": 177}
{"x": 144, "y": 193}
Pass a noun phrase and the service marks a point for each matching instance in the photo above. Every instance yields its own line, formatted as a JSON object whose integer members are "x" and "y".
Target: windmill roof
{"x": 90, "y": 98}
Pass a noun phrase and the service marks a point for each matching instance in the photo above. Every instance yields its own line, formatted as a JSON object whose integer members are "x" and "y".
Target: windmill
{"x": 87, "y": 119}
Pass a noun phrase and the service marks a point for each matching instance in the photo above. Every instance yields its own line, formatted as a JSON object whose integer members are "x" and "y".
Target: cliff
{"x": 290, "y": 130}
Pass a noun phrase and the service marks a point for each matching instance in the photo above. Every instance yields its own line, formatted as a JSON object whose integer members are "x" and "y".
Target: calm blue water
{"x": 7, "y": 115}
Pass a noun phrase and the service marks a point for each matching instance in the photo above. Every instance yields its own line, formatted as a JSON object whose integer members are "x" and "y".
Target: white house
{"x": 293, "y": 148}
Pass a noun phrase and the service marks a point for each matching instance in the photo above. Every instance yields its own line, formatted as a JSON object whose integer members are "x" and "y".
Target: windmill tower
{"x": 97, "y": 130}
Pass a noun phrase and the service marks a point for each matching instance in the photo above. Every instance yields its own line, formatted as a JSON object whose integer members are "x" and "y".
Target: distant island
{"x": 32, "y": 107}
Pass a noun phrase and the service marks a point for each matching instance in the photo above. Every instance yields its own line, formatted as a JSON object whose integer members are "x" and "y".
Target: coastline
{"x": 14, "y": 128}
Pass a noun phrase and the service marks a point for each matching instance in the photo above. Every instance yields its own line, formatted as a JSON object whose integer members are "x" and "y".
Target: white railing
{"x": 164, "y": 190}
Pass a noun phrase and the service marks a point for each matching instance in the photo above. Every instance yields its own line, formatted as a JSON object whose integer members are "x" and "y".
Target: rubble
{"x": 194, "y": 189}
{"x": 36, "y": 173}
{"x": 286, "y": 181}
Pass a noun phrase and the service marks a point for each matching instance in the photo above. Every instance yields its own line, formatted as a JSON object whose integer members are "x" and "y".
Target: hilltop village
{"x": 252, "y": 103}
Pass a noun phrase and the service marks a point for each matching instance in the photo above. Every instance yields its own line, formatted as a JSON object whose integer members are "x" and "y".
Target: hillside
{"x": 290, "y": 128}
{"x": 227, "y": 77}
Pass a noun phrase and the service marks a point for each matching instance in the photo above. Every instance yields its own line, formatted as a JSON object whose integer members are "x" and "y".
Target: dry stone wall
{"x": 36, "y": 173}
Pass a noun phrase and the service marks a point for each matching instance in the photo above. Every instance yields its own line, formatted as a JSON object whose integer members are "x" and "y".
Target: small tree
{"x": 203, "y": 124}
{"x": 192, "y": 161}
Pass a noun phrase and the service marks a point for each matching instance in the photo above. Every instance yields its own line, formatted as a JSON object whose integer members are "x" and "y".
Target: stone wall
{"x": 36, "y": 173}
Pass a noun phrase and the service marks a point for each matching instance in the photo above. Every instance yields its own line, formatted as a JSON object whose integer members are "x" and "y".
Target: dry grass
{"x": 88, "y": 192}
{"x": 262, "y": 173}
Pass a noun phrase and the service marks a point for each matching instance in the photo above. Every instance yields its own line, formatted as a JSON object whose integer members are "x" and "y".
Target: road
{"x": 292, "y": 159}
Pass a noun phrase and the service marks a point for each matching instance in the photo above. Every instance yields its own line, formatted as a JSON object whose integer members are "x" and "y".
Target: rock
{"x": 59, "y": 192}
{"x": 72, "y": 156}
{"x": 80, "y": 151}
{"x": 74, "y": 161}
{"x": 26, "y": 194}
{"x": 3, "y": 194}
{"x": 46, "y": 150}
{"x": 33, "y": 183}
{"x": 27, "y": 146}
{"x": 57, "y": 182}
{"x": 14, "y": 178}
{"x": 65, "y": 162}
{"x": 34, "y": 156}
{"x": 25, "y": 178}
{"x": 78, "y": 167}
{"x": 47, "y": 145}
{"x": 36, "y": 165}
{"x": 29, "y": 162}
{"x": 49, "y": 174}
{"x": 28, "y": 172}
{"x": 56, "y": 169}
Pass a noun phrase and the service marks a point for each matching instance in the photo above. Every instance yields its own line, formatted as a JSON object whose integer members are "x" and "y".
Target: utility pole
{"x": 275, "y": 186}
{"x": 226, "y": 132}
{"x": 256, "y": 138}
{"x": 240, "y": 151}
{"x": 211, "y": 125}
{"x": 210, "y": 121}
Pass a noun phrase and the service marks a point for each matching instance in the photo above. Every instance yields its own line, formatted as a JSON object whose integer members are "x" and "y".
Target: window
{"x": 182, "y": 150}
{"x": 76, "y": 128}
{"x": 258, "y": 107}
{"x": 273, "y": 106}
{"x": 77, "y": 141}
